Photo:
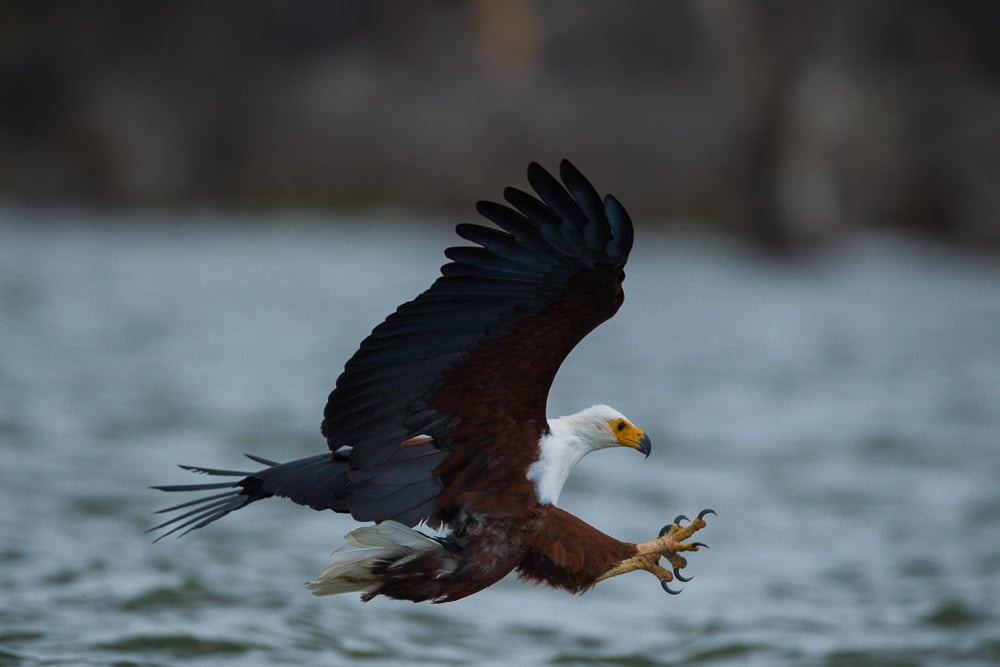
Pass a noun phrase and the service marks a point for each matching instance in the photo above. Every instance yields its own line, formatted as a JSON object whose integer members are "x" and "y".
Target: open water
{"x": 842, "y": 415}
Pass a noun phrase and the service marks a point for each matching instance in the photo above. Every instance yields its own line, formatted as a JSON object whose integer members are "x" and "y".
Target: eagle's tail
{"x": 312, "y": 481}
{"x": 372, "y": 553}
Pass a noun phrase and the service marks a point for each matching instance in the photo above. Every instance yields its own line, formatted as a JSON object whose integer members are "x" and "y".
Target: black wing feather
{"x": 596, "y": 231}
{"x": 554, "y": 195}
{"x": 620, "y": 244}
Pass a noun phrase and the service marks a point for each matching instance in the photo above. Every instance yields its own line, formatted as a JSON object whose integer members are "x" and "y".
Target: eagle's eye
{"x": 621, "y": 426}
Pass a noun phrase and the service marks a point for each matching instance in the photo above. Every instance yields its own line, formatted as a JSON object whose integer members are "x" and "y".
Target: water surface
{"x": 842, "y": 415}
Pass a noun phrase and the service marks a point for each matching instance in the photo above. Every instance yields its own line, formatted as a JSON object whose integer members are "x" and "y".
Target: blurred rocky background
{"x": 791, "y": 122}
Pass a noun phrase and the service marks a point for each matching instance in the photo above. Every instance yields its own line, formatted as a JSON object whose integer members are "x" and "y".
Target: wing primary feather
{"x": 222, "y": 507}
{"x": 621, "y": 228}
{"x": 534, "y": 210}
{"x": 196, "y": 501}
{"x": 467, "y": 272}
{"x": 197, "y": 522}
{"x": 484, "y": 258}
{"x": 202, "y": 505}
{"x": 586, "y": 196}
{"x": 506, "y": 218}
{"x": 595, "y": 231}
{"x": 515, "y": 223}
{"x": 501, "y": 244}
{"x": 260, "y": 459}
{"x": 554, "y": 194}
{"x": 548, "y": 220}
{"x": 215, "y": 471}
{"x": 193, "y": 487}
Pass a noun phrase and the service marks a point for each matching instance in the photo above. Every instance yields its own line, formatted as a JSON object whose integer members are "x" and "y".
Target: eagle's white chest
{"x": 559, "y": 452}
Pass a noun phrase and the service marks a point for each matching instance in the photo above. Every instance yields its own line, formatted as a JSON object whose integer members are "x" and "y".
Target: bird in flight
{"x": 439, "y": 419}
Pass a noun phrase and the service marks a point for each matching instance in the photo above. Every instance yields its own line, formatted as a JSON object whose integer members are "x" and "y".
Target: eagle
{"x": 439, "y": 419}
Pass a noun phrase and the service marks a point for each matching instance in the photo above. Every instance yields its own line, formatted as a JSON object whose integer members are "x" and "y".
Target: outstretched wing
{"x": 473, "y": 357}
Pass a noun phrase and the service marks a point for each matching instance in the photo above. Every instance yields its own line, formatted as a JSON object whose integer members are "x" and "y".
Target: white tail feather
{"x": 350, "y": 568}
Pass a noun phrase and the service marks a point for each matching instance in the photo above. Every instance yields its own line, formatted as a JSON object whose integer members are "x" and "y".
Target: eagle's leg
{"x": 669, "y": 544}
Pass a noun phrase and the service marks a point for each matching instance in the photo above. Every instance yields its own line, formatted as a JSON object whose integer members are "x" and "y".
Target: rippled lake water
{"x": 841, "y": 414}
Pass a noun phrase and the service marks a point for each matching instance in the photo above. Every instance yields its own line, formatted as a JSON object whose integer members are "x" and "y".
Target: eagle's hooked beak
{"x": 645, "y": 446}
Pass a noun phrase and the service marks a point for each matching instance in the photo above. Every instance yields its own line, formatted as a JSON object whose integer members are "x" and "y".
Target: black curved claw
{"x": 681, "y": 517}
{"x": 664, "y": 530}
{"x": 703, "y": 513}
{"x": 698, "y": 544}
{"x": 668, "y": 589}
{"x": 679, "y": 577}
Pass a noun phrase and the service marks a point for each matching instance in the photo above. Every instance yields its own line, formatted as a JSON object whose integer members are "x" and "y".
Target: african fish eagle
{"x": 439, "y": 418}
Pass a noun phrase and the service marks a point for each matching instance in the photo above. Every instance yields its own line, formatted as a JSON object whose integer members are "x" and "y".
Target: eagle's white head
{"x": 572, "y": 437}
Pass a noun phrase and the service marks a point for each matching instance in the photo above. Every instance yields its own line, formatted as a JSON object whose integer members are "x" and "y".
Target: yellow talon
{"x": 669, "y": 545}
